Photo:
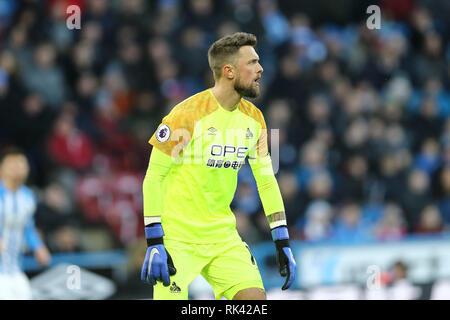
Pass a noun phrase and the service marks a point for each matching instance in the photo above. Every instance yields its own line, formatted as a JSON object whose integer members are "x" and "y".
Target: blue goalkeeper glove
{"x": 158, "y": 264}
{"x": 285, "y": 259}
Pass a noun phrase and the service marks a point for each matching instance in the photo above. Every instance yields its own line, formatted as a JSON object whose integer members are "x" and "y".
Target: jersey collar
{"x": 236, "y": 110}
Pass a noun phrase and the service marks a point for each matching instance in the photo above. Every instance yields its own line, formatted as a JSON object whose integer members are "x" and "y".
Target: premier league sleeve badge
{"x": 163, "y": 133}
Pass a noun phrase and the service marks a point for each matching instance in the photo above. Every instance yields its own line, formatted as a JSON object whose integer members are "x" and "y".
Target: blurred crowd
{"x": 362, "y": 115}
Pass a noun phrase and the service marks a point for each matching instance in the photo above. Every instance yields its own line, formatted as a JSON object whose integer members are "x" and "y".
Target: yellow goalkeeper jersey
{"x": 208, "y": 145}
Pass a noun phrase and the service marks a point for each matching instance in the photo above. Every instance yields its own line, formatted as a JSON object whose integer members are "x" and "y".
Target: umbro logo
{"x": 174, "y": 288}
{"x": 249, "y": 134}
{"x": 212, "y": 131}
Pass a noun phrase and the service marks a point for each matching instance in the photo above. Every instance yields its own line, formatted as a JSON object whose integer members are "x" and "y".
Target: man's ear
{"x": 228, "y": 71}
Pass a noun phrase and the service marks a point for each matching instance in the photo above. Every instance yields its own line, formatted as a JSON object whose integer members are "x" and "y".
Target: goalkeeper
{"x": 191, "y": 179}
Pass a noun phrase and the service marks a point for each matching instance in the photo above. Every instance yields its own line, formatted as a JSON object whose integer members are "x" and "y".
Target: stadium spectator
{"x": 355, "y": 177}
{"x": 312, "y": 160}
{"x": 428, "y": 159}
{"x": 57, "y": 219}
{"x": 430, "y": 221}
{"x": 44, "y": 76}
{"x": 290, "y": 81}
{"x": 427, "y": 119}
{"x": 67, "y": 145}
{"x": 290, "y": 192}
{"x": 416, "y": 196}
{"x": 350, "y": 226}
{"x": 441, "y": 192}
{"x": 32, "y": 122}
{"x": 318, "y": 222}
{"x": 392, "y": 225}
{"x": 320, "y": 187}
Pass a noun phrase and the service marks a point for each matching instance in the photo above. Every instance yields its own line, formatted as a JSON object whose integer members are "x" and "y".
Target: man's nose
{"x": 260, "y": 69}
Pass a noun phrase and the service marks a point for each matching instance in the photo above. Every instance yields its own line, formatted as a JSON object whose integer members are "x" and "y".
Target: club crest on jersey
{"x": 163, "y": 133}
{"x": 249, "y": 134}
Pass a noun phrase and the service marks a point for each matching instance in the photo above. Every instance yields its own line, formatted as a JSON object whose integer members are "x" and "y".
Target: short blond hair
{"x": 224, "y": 50}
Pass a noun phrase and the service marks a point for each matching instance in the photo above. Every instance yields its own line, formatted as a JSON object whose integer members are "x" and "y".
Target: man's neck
{"x": 11, "y": 185}
{"x": 227, "y": 96}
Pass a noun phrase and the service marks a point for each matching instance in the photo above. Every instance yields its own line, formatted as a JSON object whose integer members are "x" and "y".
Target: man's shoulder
{"x": 248, "y": 108}
{"x": 248, "y": 103}
{"x": 194, "y": 107}
{"x": 27, "y": 192}
{"x": 23, "y": 190}
{"x": 193, "y": 102}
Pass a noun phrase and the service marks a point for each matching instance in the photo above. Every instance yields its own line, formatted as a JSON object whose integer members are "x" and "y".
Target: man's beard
{"x": 249, "y": 92}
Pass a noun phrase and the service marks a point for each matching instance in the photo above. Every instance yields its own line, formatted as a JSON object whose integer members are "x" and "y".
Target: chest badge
{"x": 249, "y": 134}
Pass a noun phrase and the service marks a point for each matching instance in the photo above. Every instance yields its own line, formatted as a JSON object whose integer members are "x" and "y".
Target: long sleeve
{"x": 269, "y": 191}
{"x": 31, "y": 236}
{"x": 158, "y": 168}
